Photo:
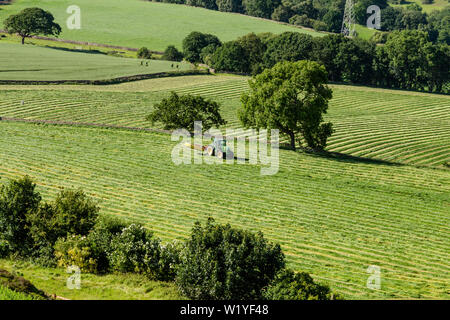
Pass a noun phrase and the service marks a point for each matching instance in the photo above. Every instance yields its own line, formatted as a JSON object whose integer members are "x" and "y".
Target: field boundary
{"x": 86, "y": 43}
{"x": 118, "y": 80}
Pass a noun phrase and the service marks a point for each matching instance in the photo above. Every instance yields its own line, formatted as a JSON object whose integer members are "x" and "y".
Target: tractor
{"x": 219, "y": 149}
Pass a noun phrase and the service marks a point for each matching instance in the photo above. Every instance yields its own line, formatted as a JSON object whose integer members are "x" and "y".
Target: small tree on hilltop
{"x": 177, "y": 112}
{"x": 291, "y": 97}
{"x": 32, "y": 21}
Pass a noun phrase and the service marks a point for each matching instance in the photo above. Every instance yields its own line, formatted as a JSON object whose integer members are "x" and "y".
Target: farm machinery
{"x": 216, "y": 148}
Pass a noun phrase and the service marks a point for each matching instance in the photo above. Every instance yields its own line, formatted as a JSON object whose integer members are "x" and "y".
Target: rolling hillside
{"x": 389, "y": 125}
{"x": 155, "y": 25}
{"x": 37, "y": 63}
{"x": 332, "y": 217}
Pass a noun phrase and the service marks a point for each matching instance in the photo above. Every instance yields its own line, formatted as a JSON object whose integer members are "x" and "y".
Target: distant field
{"x": 27, "y": 62}
{"x": 155, "y": 25}
{"x": 390, "y": 125}
{"x": 436, "y": 5}
{"x": 332, "y": 217}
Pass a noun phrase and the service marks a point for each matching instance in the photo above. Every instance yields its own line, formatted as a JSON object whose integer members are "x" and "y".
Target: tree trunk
{"x": 23, "y": 40}
{"x": 292, "y": 136}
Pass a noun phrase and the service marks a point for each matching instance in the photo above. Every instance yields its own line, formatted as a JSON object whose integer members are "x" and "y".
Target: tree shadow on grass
{"x": 342, "y": 157}
{"x": 77, "y": 50}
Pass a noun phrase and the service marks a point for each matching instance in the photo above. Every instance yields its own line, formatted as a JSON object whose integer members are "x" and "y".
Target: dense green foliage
{"x": 32, "y": 21}
{"x": 220, "y": 262}
{"x": 172, "y": 54}
{"x": 345, "y": 59}
{"x": 195, "y": 42}
{"x": 180, "y": 112}
{"x": 289, "y": 285}
{"x": 291, "y": 97}
{"x": 144, "y": 53}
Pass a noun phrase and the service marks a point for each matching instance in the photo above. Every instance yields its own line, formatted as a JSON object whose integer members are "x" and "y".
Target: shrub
{"x": 169, "y": 261}
{"x": 319, "y": 25}
{"x": 5, "y": 249}
{"x": 135, "y": 250}
{"x": 17, "y": 200}
{"x": 194, "y": 42}
{"x": 75, "y": 250}
{"x": 181, "y": 111}
{"x": 289, "y": 285}
{"x": 101, "y": 237}
{"x": 221, "y": 262}
{"x": 231, "y": 57}
{"x": 144, "y": 53}
{"x": 301, "y": 20}
{"x": 172, "y": 54}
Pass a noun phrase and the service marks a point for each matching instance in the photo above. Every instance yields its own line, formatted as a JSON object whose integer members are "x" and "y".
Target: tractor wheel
{"x": 210, "y": 151}
{"x": 220, "y": 154}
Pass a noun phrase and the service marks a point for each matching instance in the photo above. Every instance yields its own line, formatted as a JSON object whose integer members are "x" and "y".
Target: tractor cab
{"x": 219, "y": 149}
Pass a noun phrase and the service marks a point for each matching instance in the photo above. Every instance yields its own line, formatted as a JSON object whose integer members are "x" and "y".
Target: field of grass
{"x": 155, "y": 25}
{"x": 389, "y": 125}
{"x": 7, "y": 294}
{"x": 436, "y": 5}
{"x": 38, "y": 63}
{"x": 106, "y": 287}
{"x": 332, "y": 216}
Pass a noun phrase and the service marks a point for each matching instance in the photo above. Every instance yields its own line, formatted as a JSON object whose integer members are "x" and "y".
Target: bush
{"x": 169, "y": 261}
{"x": 301, "y": 20}
{"x": 289, "y": 285}
{"x": 5, "y": 249}
{"x": 75, "y": 250}
{"x": 195, "y": 42}
{"x": 100, "y": 238}
{"x": 181, "y": 111}
{"x": 221, "y": 262}
{"x": 172, "y": 54}
{"x": 319, "y": 25}
{"x": 135, "y": 250}
{"x": 17, "y": 200}
{"x": 144, "y": 53}
{"x": 231, "y": 57}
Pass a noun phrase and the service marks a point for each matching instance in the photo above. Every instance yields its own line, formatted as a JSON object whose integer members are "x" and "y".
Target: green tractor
{"x": 219, "y": 149}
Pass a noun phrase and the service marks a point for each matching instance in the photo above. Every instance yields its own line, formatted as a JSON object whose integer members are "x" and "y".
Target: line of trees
{"x": 216, "y": 262}
{"x": 327, "y": 15}
{"x": 408, "y": 59}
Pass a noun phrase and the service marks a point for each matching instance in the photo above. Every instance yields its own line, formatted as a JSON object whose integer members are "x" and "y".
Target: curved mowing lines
{"x": 421, "y": 156}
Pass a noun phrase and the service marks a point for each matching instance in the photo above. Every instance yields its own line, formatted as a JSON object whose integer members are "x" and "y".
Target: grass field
{"x": 109, "y": 287}
{"x": 333, "y": 217}
{"x": 37, "y": 63}
{"x": 389, "y": 125}
{"x": 436, "y": 5}
{"x": 7, "y": 294}
{"x": 155, "y": 25}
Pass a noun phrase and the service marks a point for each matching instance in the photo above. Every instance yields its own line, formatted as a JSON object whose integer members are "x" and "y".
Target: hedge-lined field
{"x": 154, "y": 25}
{"x": 389, "y": 125}
{"x": 333, "y": 217}
{"x": 45, "y": 64}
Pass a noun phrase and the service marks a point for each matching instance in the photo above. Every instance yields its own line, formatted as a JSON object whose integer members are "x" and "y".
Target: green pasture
{"x": 28, "y": 62}
{"x": 136, "y": 23}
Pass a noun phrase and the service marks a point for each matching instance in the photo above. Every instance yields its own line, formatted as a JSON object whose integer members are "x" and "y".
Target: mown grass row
{"x": 333, "y": 217}
{"x": 388, "y": 125}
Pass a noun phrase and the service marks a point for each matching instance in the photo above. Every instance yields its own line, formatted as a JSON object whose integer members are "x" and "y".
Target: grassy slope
{"x": 108, "y": 287}
{"x": 436, "y": 5}
{"x": 155, "y": 25}
{"x": 37, "y": 63}
{"x": 7, "y": 294}
{"x": 390, "y": 125}
{"x": 333, "y": 217}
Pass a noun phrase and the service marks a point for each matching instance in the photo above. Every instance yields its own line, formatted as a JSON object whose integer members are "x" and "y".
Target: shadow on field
{"x": 77, "y": 50}
{"x": 342, "y": 157}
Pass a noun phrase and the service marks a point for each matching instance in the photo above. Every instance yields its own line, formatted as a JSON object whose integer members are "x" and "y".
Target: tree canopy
{"x": 32, "y": 21}
{"x": 291, "y": 97}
